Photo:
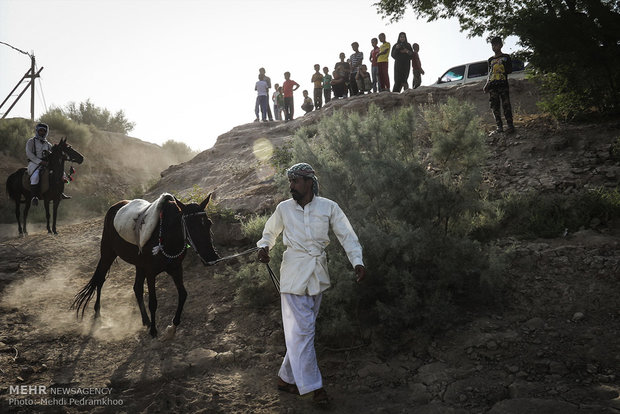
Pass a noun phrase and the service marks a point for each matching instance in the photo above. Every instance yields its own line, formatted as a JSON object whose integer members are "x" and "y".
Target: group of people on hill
{"x": 350, "y": 77}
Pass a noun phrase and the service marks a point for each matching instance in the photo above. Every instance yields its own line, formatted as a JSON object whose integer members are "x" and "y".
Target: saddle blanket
{"x": 136, "y": 221}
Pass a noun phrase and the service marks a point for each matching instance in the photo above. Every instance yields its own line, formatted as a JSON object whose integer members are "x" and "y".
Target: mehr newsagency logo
{"x": 42, "y": 395}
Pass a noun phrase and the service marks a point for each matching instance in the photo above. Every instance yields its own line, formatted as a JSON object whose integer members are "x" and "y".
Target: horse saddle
{"x": 136, "y": 220}
{"x": 44, "y": 181}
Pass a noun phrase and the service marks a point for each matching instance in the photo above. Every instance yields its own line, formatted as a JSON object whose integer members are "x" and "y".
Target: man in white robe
{"x": 304, "y": 221}
{"x": 37, "y": 149}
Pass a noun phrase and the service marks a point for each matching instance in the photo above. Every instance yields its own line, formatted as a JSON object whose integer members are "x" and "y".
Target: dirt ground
{"x": 556, "y": 349}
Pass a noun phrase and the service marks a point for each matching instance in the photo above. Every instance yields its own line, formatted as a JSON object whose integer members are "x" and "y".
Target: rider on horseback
{"x": 37, "y": 149}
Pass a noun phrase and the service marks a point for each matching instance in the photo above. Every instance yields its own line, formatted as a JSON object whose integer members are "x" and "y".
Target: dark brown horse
{"x": 179, "y": 225}
{"x": 16, "y": 188}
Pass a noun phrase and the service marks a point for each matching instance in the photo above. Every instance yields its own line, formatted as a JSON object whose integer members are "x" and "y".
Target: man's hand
{"x": 263, "y": 255}
{"x": 360, "y": 272}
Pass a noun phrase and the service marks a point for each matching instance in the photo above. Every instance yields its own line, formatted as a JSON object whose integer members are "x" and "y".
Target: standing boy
{"x": 356, "y": 61}
{"x": 374, "y": 67}
{"x": 327, "y": 85}
{"x": 416, "y": 66}
{"x": 289, "y": 86}
{"x": 276, "y": 97}
{"x": 500, "y": 65}
{"x": 382, "y": 62}
{"x": 317, "y": 79}
{"x": 261, "y": 88}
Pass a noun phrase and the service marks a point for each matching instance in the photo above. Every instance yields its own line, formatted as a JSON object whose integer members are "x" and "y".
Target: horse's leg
{"x": 177, "y": 277}
{"x": 55, "y": 214}
{"x": 138, "y": 288}
{"x": 47, "y": 215}
{"x": 106, "y": 260}
{"x": 150, "y": 282}
{"x": 19, "y": 224}
{"x": 26, "y": 210}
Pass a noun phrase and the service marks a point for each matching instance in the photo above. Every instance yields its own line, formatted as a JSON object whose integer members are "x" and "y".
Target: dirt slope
{"x": 553, "y": 348}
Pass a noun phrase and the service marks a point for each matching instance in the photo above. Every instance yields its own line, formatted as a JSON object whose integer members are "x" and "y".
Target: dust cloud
{"x": 47, "y": 298}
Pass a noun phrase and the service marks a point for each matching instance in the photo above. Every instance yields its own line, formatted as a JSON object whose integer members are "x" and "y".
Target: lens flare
{"x": 263, "y": 149}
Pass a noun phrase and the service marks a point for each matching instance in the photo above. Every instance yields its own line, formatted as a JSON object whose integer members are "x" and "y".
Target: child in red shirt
{"x": 289, "y": 86}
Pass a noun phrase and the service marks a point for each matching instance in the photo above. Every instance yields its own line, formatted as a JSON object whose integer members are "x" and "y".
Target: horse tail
{"x": 103, "y": 266}
{"x": 81, "y": 299}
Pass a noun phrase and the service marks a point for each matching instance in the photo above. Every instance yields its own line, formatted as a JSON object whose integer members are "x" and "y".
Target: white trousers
{"x": 300, "y": 366}
{"x": 34, "y": 178}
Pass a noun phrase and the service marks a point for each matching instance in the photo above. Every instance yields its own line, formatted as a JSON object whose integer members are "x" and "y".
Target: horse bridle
{"x": 187, "y": 237}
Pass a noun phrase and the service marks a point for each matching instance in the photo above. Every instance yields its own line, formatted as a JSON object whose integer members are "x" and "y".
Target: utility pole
{"x": 32, "y": 75}
{"x": 32, "y": 66}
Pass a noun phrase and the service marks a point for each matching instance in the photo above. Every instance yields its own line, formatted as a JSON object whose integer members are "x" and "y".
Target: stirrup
{"x": 35, "y": 201}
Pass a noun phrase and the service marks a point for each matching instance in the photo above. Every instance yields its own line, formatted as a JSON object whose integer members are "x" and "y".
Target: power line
{"x": 19, "y": 50}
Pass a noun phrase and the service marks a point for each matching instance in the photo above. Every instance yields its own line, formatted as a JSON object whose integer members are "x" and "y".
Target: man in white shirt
{"x": 304, "y": 221}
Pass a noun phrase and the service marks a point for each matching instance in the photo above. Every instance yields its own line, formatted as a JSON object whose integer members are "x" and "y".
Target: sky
{"x": 186, "y": 69}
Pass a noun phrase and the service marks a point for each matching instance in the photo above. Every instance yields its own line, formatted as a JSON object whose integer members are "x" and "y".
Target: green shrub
{"x": 61, "y": 125}
{"x": 535, "y": 215}
{"x": 14, "y": 133}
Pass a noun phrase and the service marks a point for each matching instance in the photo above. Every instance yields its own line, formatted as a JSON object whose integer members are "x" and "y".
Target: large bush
{"x": 409, "y": 183}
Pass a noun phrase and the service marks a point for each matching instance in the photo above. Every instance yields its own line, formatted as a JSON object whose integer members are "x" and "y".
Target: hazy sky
{"x": 186, "y": 69}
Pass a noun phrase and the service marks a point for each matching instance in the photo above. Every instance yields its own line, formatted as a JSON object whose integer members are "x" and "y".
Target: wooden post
{"x": 32, "y": 66}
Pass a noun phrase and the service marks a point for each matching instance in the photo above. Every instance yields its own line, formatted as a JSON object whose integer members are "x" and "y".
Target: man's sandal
{"x": 286, "y": 387}
{"x": 320, "y": 397}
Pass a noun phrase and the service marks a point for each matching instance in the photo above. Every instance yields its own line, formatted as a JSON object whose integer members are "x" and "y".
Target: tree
{"x": 90, "y": 114}
{"x": 577, "y": 40}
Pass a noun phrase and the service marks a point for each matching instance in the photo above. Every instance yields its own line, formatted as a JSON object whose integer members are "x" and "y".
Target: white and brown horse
{"x": 163, "y": 251}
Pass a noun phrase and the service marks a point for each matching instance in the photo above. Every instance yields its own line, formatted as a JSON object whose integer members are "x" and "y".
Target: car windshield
{"x": 454, "y": 74}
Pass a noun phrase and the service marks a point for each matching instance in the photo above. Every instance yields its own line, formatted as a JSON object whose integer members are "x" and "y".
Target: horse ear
{"x": 205, "y": 202}
{"x": 179, "y": 203}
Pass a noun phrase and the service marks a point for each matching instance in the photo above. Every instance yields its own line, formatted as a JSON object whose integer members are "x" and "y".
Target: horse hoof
{"x": 169, "y": 333}
{"x": 153, "y": 333}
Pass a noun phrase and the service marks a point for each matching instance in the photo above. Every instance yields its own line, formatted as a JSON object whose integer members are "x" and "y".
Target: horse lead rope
{"x": 272, "y": 276}
{"x": 221, "y": 259}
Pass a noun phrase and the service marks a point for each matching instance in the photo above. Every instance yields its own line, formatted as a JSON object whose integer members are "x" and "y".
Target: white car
{"x": 475, "y": 72}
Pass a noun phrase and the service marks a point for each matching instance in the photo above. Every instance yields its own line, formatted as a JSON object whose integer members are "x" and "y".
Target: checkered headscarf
{"x": 304, "y": 170}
